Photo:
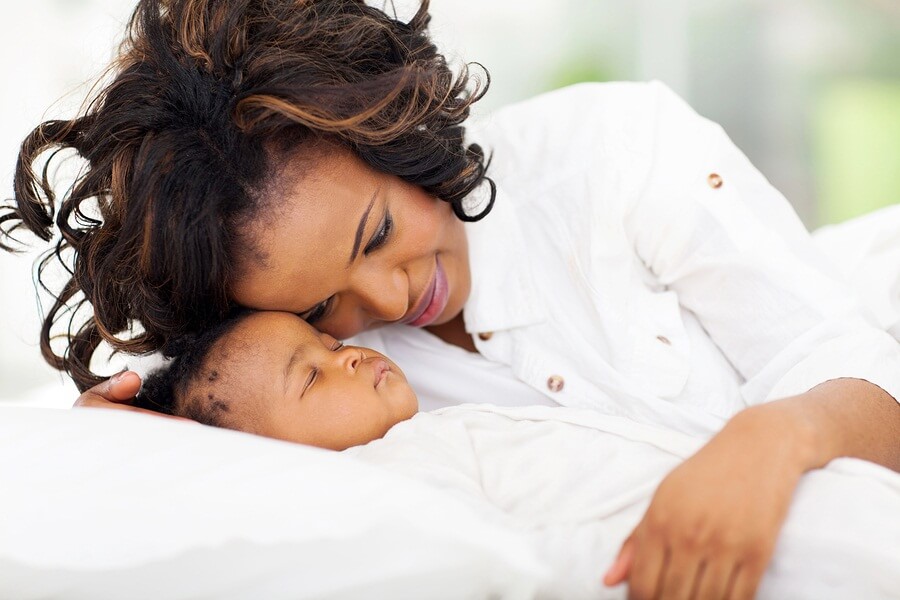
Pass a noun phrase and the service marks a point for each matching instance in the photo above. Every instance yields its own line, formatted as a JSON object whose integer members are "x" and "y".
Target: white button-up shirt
{"x": 636, "y": 263}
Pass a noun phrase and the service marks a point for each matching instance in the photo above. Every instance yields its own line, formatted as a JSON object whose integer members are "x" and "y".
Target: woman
{"x": 311, "y": 159}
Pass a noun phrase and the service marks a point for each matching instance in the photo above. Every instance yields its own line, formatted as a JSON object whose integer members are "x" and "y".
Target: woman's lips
{"x": 433, "y": 301}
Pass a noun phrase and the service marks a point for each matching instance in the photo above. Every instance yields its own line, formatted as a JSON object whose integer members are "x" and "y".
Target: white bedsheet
{"x": 111, "y": 505}
{"x": 578, "y": 482}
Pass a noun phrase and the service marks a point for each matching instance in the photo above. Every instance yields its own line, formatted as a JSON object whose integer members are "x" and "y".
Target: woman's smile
{"x": 432, "y": 302}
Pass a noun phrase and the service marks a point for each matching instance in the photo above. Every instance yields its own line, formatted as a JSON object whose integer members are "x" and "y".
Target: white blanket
{"x": 579, "y": 481}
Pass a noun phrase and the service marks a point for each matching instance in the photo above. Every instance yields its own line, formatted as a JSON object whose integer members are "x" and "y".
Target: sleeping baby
{"x": 272, "y": 374}
{"x": 575, "y": 481}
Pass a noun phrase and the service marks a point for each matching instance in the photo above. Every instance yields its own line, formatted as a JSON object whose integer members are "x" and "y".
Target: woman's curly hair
{"x": 206, "y": 98}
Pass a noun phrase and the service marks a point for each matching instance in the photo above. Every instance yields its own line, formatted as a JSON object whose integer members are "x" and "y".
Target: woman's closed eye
{"x": 381, "y": 236}
{"x": 378, "y": 240}
{"x": 317, "y": 312}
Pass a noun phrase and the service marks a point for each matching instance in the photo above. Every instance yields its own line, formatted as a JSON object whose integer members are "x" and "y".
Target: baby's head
{"x": 272, "y": 374}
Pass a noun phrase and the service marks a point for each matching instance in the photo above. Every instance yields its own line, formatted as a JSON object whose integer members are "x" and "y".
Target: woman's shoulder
{"x": 586, "y": 97}
{"x": 611, "y": 105}
{"x": 560, "y": 133}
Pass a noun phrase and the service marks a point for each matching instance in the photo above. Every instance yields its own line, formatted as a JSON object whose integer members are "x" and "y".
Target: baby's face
{"x": 291, "y": 382}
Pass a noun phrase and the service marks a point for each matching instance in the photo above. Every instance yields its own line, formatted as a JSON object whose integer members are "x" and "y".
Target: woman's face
{"x": 349, "y": 248}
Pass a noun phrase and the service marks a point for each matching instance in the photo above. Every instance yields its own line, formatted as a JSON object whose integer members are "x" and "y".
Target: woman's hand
{"x": 116, "y": 392}
{"x": 712, "y": 525}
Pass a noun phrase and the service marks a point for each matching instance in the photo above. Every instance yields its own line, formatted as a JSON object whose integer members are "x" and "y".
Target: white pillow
{"x": 55, "y": 394}
{"x": 99, "y": 504}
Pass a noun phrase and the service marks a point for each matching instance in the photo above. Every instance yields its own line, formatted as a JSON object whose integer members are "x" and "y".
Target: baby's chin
{"x": 402, "y": 397}
{"x": 404, "y": 400}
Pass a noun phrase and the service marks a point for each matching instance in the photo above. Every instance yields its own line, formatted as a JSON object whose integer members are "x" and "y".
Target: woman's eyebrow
{"x": 361, "y": 229}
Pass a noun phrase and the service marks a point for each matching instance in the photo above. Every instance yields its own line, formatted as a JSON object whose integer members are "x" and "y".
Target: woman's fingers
{"x": 123, "y": 386}
{"x": 620, "y": 568}
{"x": 681, "y": 571}
{"x": 649, "y": 563}
{"x": 119, "y": 389}
{"x": 746, "y": 580}
{"x": 118, "y": 392}
{"x": 716, "y": 580}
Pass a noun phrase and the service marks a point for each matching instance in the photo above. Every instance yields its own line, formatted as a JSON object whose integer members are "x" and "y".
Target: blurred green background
{"x": 808, "y": 89}
{"x": 856, "y": 147}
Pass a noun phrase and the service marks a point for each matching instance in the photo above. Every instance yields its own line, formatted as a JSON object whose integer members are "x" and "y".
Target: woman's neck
{"x": 454, "y": 332}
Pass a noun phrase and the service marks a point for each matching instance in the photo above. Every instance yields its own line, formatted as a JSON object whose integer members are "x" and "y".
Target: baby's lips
{"x": 380, "y": 370}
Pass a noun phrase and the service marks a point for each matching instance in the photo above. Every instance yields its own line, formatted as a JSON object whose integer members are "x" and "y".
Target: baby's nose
{"x": 351, "y": 357}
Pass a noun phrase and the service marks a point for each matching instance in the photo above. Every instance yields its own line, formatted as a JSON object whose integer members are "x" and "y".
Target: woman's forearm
{"x": 838, "y": 418}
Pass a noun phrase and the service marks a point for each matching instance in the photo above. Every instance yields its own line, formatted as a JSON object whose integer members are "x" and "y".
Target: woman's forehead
{"x": 321, "y": 212}
{"x": 309, "y": 236}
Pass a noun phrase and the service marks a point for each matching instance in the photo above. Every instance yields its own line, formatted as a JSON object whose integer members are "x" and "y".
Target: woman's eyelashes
{"x": 378, "y": 240}
{"x": 316, "y": 313}
{"x": 384, "y": 232}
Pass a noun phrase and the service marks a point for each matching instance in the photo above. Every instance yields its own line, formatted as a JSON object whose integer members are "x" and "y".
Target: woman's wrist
{"x": 784, "y": 431}
{"x": 837, "y": 418}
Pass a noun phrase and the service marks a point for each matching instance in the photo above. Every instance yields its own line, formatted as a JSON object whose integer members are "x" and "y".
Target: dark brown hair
{"x": 184, "y": 386}
{"x": 206, "y": 99}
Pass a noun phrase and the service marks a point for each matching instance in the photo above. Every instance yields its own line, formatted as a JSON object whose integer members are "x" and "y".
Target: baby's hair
{"x": 167, "y": 389}
{"x": 208, "y": 100}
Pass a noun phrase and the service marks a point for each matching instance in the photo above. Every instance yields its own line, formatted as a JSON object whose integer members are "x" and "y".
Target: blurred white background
{"x": 809, "y": 89}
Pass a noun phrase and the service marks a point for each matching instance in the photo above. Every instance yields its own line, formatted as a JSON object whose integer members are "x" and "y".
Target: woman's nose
{"x": 385, "y": 299}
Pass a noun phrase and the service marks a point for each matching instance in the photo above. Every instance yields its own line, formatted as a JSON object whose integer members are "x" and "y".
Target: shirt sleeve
{"x": 711, "y": 228}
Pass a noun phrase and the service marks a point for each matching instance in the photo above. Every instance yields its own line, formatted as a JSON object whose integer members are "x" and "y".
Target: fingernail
{"x": 117, "y": 377}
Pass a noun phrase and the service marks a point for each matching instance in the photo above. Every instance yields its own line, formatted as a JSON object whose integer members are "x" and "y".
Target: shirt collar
{"x": 503, "y": 294}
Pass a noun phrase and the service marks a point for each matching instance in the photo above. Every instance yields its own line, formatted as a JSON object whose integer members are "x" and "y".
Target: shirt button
{"x": 714, "y": 180}
{"x": 555, "y": 383}
{"x": 485, "y": 335}
{"x": 664, "y": 340}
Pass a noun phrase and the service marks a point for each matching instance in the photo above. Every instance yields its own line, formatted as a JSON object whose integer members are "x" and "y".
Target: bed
{"x": 467, "y": 502}
{"x": 98, "y": 504}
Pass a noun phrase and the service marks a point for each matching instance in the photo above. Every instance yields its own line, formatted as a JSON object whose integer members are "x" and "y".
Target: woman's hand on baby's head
{"x": 118, "y": 391}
